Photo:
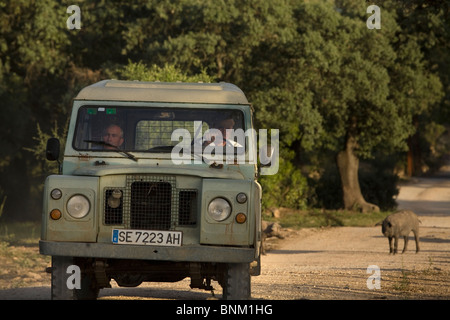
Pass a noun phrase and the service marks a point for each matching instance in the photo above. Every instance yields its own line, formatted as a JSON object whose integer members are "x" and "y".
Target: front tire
{"x": 60, "y": 276}
{"x": 237, "y": 282}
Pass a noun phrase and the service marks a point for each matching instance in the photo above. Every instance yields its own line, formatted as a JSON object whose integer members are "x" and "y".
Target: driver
{"x": 114, "y": 136}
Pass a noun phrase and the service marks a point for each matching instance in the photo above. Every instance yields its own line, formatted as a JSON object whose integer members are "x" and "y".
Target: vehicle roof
{"x": 183, "y": 92}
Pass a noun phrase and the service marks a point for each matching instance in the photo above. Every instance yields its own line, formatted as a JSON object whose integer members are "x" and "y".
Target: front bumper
{"x": 190, "y": 253}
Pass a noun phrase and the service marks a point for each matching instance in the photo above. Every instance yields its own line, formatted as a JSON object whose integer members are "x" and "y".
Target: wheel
{"x": 237, "y": 280}
{"x": 66, "y": 286}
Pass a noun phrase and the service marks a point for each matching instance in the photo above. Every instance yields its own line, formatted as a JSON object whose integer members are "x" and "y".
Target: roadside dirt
{"x": 324, "y": 263}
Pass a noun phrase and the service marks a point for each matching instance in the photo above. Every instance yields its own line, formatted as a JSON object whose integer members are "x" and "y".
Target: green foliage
{"x": 33, "y": 38}
{"x": 287, "y": 188}
{"x": 315, "y": 218}
{"x": 217, "y": 35}
{"x": 342, "y": 78}
{"x": 39, "y": 149}
{"x": 311, "y": 69}
{"x": 338, "y": 79}
{"x": 168, "y": 73}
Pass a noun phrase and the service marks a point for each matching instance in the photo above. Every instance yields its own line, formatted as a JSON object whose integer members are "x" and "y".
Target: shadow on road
{"x": 28, "y": 293}
{"x": 139, "y": 293}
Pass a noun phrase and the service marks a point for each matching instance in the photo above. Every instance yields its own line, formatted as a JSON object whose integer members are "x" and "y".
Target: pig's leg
{"x": 406, "y": 238}
{"x": 416, "y": 237}
{"x": 395, "y": 244}
{"x": 390, "y": 245}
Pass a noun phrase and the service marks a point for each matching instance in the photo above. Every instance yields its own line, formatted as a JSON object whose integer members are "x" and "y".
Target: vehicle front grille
{"x": 151, "y": 203}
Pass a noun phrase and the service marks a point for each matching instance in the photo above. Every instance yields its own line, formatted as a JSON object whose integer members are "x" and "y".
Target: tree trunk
{"x": 348, "y": 165}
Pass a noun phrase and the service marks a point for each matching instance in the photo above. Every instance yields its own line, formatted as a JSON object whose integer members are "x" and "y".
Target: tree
{"x": 216, "y": 35}
{"x": 33, "y": 57}
{"x": 311, "y": 68}
{"x": 428, "y": 23}
{"x": 356, "y": 89}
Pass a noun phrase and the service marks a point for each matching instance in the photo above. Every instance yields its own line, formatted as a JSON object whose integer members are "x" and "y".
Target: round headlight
{"x": 241, "y": 197}
{"x": 56, "y": 194}
{"x": 219, "y": 209}
{"x": 78, "y": 206}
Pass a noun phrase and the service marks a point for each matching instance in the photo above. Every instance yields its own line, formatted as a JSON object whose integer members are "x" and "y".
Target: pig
{"x": 400, "y": 224}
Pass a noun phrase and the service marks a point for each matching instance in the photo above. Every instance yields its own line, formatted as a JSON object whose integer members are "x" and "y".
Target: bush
{"x": 287, "y": 188}
{"x": 167, "y": 73}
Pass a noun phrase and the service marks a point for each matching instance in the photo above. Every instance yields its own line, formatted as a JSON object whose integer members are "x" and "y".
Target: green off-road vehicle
{"x": 158, "y": 182}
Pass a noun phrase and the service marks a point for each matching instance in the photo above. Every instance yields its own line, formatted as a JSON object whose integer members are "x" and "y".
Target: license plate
{"x": 147, "y": 237}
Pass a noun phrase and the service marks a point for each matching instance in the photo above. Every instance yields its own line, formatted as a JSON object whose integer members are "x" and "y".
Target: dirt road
{"x": 331, "y": 263}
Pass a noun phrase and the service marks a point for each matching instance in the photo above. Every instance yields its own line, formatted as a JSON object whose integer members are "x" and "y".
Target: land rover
{"x": 157, "y": 183}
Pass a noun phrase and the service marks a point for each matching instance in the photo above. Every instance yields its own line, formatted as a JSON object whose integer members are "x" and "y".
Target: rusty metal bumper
{"x": 189, "y": 253}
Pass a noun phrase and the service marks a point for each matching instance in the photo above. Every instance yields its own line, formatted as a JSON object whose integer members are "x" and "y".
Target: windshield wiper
{"x": 103, "y": 143}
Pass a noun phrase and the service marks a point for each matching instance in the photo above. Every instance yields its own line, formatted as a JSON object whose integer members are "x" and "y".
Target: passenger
{"x": 225, "y": 141}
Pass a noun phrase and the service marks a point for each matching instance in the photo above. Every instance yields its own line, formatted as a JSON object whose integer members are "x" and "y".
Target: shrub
{"x": 287, "y": 188}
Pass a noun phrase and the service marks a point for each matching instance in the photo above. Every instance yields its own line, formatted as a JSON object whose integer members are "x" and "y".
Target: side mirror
{"x": 52, "y": 151}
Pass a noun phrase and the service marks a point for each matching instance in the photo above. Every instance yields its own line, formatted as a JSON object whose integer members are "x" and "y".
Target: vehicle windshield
{"x": 156, "y": 130}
